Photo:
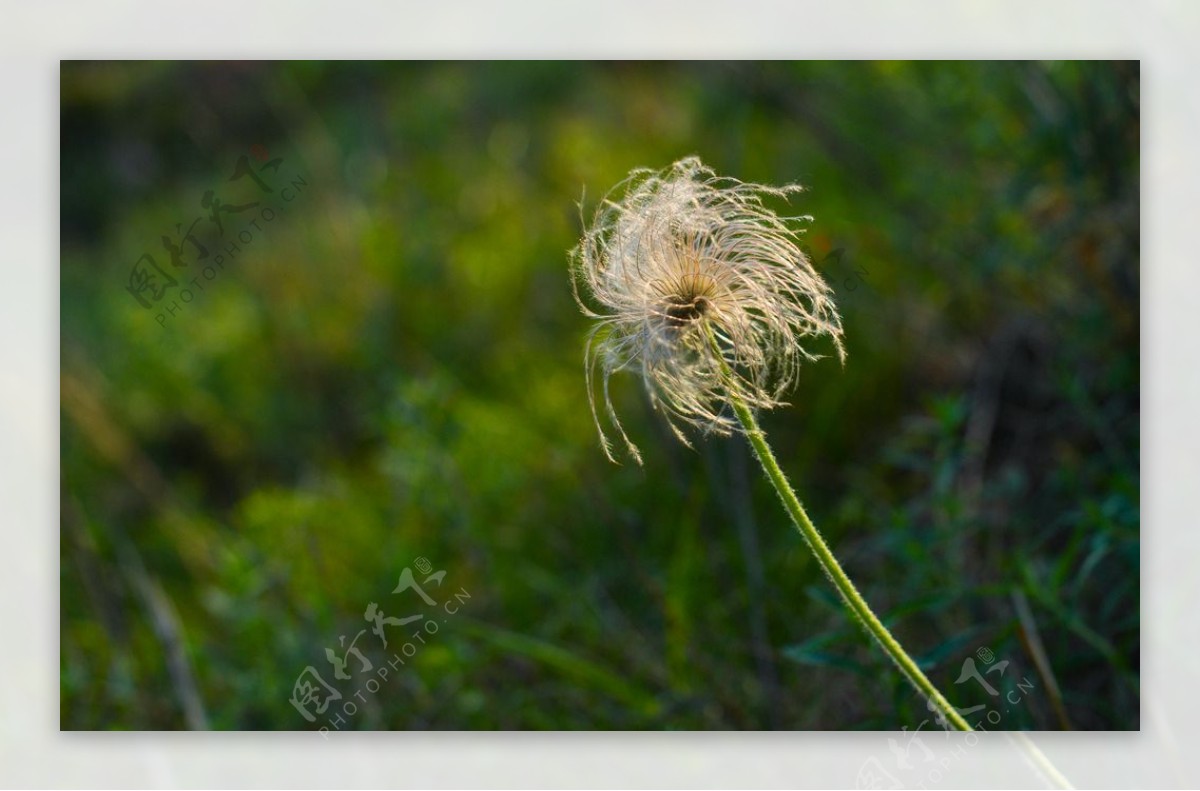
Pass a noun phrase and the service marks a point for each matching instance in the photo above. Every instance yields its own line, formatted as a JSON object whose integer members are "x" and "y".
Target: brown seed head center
{"x": 682, "y": 310}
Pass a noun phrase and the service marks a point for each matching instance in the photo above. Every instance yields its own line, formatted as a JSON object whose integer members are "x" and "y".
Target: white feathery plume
{"x": 679, "y": 261}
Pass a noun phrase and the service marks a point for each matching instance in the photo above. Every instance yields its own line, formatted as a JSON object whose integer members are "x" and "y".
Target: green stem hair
{"x": 850, "y": 596}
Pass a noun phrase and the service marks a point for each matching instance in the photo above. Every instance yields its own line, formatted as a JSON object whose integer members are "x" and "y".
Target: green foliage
{"x": 392, "y": 369}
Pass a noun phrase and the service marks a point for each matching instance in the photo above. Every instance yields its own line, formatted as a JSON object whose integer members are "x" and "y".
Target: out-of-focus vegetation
{"x": 391, "y": 369}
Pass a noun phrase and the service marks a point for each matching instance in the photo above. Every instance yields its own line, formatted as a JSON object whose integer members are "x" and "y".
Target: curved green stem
{"x": 850, "y": 595}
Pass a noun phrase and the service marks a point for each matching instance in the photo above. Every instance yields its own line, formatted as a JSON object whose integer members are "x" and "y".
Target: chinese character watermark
{"x": 835, "y": 268}
{"x": 213, "y": 239}
{"x": 913, "y": 762}
{"x": 312, "y": 696}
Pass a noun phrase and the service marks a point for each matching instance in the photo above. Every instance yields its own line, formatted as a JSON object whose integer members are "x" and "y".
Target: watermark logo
{"x": 314, "y": 697}
{"x": 914, "y": 761}
{"x": 835, "y": 268}
{"x": 214, "y": 238}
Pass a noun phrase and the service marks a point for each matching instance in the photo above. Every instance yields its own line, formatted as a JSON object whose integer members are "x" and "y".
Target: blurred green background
{"x": 389, "y": 372}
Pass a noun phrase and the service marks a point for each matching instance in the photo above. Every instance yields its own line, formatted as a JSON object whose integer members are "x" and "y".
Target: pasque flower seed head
{"x": 698, "y": 286}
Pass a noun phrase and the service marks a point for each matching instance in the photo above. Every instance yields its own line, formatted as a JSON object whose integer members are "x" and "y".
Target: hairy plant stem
{"x": 853, "y": 599}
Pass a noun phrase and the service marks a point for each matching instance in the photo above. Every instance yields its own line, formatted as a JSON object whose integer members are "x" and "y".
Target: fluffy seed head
{"x": 700, "y": 287}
